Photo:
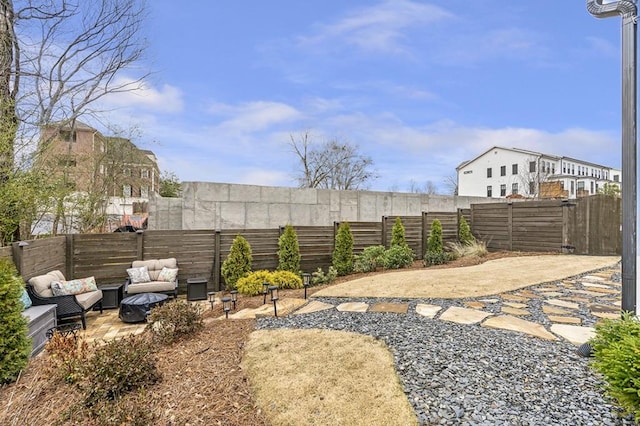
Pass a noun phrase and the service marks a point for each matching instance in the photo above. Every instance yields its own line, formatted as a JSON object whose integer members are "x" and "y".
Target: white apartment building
{"x": 511, "y": 172}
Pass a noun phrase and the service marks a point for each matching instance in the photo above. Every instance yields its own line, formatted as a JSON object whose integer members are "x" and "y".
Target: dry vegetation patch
{"x": 325, "y": 377}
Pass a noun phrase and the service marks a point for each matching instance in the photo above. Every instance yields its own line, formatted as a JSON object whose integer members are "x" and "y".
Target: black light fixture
{"x": 226, "y": 306}
{"x": 265, "y": 290}
{"x": 234, "y": 298}
{"x": 212, "y": 298}
{"x": 273, "y": 289}
{"x": 306, "y": 282}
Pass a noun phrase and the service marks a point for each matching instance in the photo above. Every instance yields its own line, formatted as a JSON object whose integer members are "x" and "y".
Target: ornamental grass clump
{"x": 15, "y": 346}
{"x": 475, "y": 249}
{"x": 238, "y": 262}
{"x": 342, "y": 259}
{"x": 289, "y": 251}
{"x": 616, "y": 349}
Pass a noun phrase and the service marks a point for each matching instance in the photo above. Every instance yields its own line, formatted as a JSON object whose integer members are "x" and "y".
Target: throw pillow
{"x": 168, "y": 274}
{"x": 25, "y": 299}
{"x": 83, "y": 285}
{"x": 139, "y": 275}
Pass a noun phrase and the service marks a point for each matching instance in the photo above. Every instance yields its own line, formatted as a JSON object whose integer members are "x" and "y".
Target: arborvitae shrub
{"x": 370, "y": 259}
{"x": 289, "y": 251}
{"x": 616, "y": 348}
{"x": 251, "y": 285}
{"x": 464, "y": 232}
{"x": 343, "y": 253}
{"x": 174, "y": 319}
{"x": 397, "y": 234}
{"x": 434, "y": 242}
{"x": 238, "y": 262}
{"x": 15, "y": 346}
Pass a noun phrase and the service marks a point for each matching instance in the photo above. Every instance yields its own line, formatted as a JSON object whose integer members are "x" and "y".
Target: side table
{"x": 111, "y": 295}
{"x": 196, "y": 289}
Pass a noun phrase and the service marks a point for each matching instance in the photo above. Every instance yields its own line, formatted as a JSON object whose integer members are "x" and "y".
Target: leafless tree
{"x": 428, "y": 188}
{"x": 330, "y": 165}
{"x": 451, "y": 183}
{"x": 57, "y": 59}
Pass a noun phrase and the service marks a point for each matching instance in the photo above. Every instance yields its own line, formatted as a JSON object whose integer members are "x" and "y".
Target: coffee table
{"x": 135, "y": 308}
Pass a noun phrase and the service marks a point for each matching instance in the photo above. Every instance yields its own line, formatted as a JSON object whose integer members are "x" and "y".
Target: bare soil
{"x": 202, "y": 381}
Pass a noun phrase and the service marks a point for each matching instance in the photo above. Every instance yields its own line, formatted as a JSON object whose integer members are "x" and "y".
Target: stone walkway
{"x": 567, "y": 310}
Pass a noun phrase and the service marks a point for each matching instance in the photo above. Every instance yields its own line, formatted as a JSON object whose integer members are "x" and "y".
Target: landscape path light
{"x": 226, "y": 306}
{"x": 234, "y": 298}
{"x": 273, "y": 289}
{"x": 265, "y": 290}
{"x": 306, "y": 282}
{"x": 212, "y": 298}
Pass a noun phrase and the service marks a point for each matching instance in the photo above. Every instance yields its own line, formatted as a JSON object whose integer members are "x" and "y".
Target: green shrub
{"x": 251, "y": 285}
{"x": 398, "y": 257}
{"x": 286, "y": 279}
{"x": 370, "y": 259}
{"x": 616, "y": 348}
{"x": 238, "y": 262}
{"x": 464, "y": 232}
{"x": 319, "y": 277}
{"x": 117, "y": 367}
{"x": 436, "y": 258}
{"x": 289, "y": 251}
{"x": 342, "y": 258}
{"x": 397, "y": 234}
{"x": 174, "y": 319}
{"x": 434, "y": 242}
{"x": 15, "y": 346}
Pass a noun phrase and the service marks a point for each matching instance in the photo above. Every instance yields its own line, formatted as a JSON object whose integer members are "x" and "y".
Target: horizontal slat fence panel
{"x": 449, "y": 222}
{"x": 104, "y": 256}
{"x": 263, "y": 242}
{"x": 41, "y": 256}
{"x": 6, "y": 253}
{"x": 365, "y": 234}
{"x": 316, "y": 247}
{"x": 412, "y": 232}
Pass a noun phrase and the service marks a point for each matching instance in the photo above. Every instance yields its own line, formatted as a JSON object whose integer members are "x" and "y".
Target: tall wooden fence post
{"x": 383, "y": 240}
{"x": 140, "y": 244}
{"x": 510, "y": 224}
{"x": 217, "y": 285}
{"x": 68, "y": 258}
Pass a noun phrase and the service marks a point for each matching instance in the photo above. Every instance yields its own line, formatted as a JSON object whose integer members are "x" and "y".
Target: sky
{"x": 419, "y": 86}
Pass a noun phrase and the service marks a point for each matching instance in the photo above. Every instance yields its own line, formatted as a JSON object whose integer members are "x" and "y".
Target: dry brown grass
{"x": 325, "y": 377}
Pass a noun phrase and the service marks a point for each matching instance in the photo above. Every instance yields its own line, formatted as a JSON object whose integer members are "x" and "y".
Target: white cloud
{"x": 601, "y": 46}
{"x": 143, "y": 95}
{"x": 379, "y": 28}
{"x": 253, "y": 116}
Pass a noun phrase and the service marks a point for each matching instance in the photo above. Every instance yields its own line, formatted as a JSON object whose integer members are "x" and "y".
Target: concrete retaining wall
{"x": 207, "y": 205}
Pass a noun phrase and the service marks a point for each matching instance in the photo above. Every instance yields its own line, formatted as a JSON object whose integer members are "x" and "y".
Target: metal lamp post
{"x": 273, "y": 289}
{"x": 628, "y": 10}
{"x": 306, "y": 282}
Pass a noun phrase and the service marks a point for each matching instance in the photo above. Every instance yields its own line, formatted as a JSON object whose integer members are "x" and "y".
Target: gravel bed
{"x": 469, "y": 375}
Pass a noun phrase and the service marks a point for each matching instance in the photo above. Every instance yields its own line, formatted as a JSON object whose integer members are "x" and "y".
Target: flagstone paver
{"x": 592, "y": 293}
{"x": 352, "y": 307}
{"x": 528, "y": 293}
{"x": 508, "y": 322}
{"x": 551, "y": 293}
{"x": 607, "y": 315}
{"x": 394, "y": 308}
{"x": 548, "y": 309}
{"x": 515, "y": 305}
{"x": 573, "y": 333}
{"x": 475, "y": 305}
{"x": 515, "y": 297}
{"x": 313, "y": 306}
{"x": 577, "y": 299}
{"x": 514, "y": 311}
{"x": 463, "y": 315}
{"x": 596, "y": 285}
{"x": 427, "y": 310}
{"x": 593, "y": 277}
{"x": 489, "y": 300}
{"x": 564, "y": 320}
{"x": 562, "y": 303}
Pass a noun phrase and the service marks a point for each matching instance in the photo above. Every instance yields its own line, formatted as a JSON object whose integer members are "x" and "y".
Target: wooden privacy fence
{"x": 587, "y": 226}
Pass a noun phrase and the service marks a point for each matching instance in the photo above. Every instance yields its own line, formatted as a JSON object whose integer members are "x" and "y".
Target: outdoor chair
{"x": 73, "y": 298}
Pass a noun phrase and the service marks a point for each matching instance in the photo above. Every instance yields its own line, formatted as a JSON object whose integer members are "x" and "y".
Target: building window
{"x": 564, "y": 168}
{"x": 514, "y": 188}
{"x": 503, "y": 170}
{"x": 616, "y": 178}
{"x": 127, "y": 172}
{"x": 580, "y": 186}
{"x": 126, "y": 190}
{"x": 573, "y": 169}
{"x": 553, "y": 168}
{"x": 489, "y": 172}
{"x": 144, "y": 174}
{"x": 503, "y": 190}
{"x": 532, "y": 166}
{"x": 489, "y": 191}
{"x": 592, "y": 190}
{"x": 573, "y": 187}
{"x": 532, "y": 187}
{"x": 514, "y": 169}
{"x": 67, "y": 161}
{"x": 68, "y": 135}
{"x": 562, "y": 185}
{"x": 144, "y": 191}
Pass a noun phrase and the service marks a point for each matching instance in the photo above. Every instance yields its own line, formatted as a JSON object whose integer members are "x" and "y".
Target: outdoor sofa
{"x": 152, "y": 276}
{"x": 73, "y": 298}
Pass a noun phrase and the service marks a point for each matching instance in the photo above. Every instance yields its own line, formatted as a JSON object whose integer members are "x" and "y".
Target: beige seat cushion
{"x": 151, "y": 287}
{"x": 154, "y": 266}
{"x": 88, "y": 299}
{"x": 42, "y": 283}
